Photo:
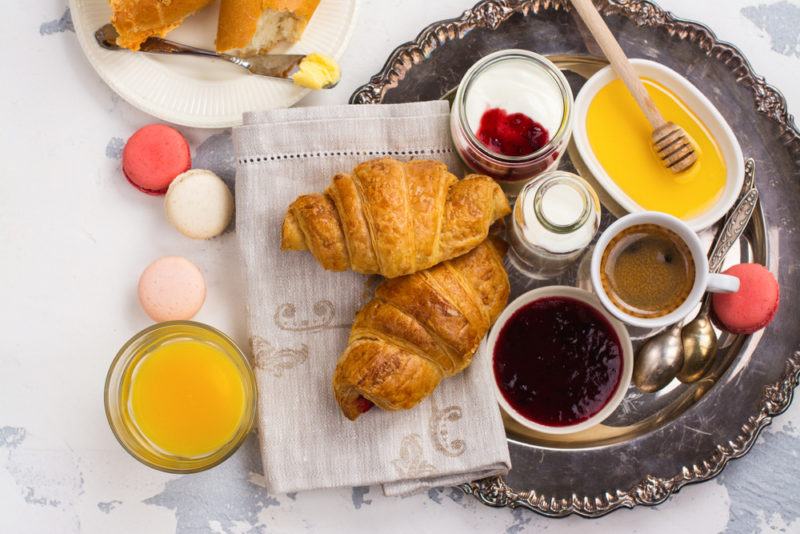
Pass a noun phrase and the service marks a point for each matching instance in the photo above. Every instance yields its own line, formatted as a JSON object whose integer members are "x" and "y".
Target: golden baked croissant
{"x": 136, "y": 20}
{"x": 250, "y": 27}
{"x": 419, "y": 329}
{"x": 393, "y": 218}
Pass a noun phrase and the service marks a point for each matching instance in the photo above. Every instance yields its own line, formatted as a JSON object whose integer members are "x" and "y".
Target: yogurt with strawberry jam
{"x": 512, "y": 117}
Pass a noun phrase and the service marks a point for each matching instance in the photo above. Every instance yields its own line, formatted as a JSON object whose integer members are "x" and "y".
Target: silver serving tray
{"x": 654, "y": 444}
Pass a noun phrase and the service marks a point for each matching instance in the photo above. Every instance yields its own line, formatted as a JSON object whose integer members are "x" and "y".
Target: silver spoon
{"x": 698, "y": 336}
{"x": 662, "y": 357}
{"x": 699, "y": 343}
{"x": 281, "y": 66}
{"x": 658, "y": 360}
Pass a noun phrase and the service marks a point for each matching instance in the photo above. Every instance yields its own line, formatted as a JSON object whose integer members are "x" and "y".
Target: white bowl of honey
{"x": 613, "y": 139}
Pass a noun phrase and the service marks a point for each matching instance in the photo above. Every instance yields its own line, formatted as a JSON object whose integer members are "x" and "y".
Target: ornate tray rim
{"x": 769, "y": 101}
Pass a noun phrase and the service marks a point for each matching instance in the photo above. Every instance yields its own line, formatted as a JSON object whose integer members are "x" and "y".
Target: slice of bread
{"x": 136, "y": 20}
{"x": 251, "y": 27}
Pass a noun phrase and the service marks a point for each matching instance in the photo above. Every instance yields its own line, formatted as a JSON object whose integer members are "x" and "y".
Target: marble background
{"x": 74, "y": 237}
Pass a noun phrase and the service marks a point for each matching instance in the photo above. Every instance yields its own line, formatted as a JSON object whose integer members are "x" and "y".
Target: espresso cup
{"x": 703, "y": 280}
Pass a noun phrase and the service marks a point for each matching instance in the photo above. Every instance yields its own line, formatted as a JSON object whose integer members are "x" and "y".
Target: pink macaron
{"x": 172, "y": 288}
{"x": 154, "y": 156}
{"x": 752, "y": 307}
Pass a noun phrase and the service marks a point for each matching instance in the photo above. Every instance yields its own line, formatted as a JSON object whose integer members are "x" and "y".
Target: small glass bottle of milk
{"x": 555, "y": 219}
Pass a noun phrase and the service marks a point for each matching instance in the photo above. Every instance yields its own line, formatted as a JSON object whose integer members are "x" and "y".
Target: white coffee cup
{"x": 703, "y": 280}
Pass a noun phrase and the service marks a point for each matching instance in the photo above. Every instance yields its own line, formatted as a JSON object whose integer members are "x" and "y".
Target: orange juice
{"x": 187, "y": 398}
{"x": 620, "y": 137}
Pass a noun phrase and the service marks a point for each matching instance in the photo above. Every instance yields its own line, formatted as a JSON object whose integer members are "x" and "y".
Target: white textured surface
{"x": 74, "y": 237}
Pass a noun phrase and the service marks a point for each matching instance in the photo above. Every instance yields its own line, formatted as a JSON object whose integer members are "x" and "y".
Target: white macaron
{"x": 199, "y": 204}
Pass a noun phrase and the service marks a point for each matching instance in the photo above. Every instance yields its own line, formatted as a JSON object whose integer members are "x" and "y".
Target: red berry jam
{"x": 557, "y": 361}
{"x": 363, "y": 404}
{"x": 513, "y": 134}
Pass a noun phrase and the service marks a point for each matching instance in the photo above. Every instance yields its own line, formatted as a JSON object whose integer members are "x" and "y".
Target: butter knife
{"x": 281, "y": 66}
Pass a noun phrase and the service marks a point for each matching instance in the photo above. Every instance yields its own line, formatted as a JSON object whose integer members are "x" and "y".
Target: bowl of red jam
{"x": 561, "y": 363}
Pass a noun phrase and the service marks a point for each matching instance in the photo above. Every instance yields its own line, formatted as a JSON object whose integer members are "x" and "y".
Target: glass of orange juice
{"x": 180, "y": 396}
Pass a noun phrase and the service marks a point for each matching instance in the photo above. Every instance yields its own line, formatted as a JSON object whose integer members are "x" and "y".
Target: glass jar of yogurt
{"x": 512, "y": 117}
{"x": 555, "y": 219}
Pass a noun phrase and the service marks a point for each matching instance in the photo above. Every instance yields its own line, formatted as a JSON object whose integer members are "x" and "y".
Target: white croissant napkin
{"x": 300, "y": 315}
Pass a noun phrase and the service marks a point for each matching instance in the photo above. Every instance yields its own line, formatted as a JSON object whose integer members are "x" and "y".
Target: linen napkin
{"x": 300, "y": 315}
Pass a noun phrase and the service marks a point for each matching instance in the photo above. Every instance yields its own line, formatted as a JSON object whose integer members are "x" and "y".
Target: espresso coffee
{"x": 647, "y": 270}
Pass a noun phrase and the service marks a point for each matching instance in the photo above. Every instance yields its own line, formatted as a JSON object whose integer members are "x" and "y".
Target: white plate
{"x": 200, "y": 92}
{"x": 697, "y": 102}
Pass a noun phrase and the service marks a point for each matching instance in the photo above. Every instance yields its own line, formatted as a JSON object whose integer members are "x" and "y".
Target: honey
{"x": 620, "y": 137}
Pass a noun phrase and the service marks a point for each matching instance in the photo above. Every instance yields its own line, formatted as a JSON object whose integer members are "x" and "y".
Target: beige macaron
{"x": 199, "y": 204}
{"x": 172, "y": 288}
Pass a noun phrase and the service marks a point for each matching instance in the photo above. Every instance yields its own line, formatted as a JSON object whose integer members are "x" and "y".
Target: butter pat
{"x": 317, "y": 71}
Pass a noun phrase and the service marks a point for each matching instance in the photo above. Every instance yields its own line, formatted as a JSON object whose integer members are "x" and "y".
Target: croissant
{"x": 419, "y": 329}
{"x": 393, "y": 218}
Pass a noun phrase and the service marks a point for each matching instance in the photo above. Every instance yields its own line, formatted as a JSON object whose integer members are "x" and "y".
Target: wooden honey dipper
{"x": 672, "y": 143}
